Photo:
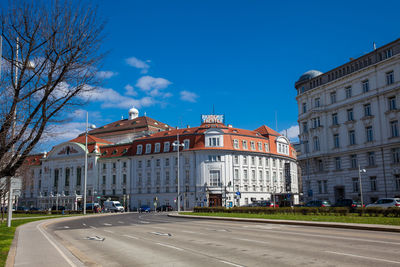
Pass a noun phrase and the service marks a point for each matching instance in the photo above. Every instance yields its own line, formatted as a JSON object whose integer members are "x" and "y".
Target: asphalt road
{"x": 158, "y": 240}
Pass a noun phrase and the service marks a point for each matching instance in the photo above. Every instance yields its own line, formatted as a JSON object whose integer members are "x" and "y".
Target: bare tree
{"x": 49, "y": 61}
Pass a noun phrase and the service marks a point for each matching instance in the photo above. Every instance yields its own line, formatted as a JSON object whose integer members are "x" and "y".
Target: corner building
{"x": 218, "y": 166}
{"x": 349, "y": 120}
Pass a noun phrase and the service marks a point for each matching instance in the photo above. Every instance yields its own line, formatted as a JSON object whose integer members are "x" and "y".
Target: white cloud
{"x": 64, "y": 132}
{"x": 137, "y": 63}
{"x": 149, "y": 83}
{"x": 129, "y": 90}
{"x": 106, "y": 74}
{"x": 189, "y": 96}
{"x": 292, "y": 132}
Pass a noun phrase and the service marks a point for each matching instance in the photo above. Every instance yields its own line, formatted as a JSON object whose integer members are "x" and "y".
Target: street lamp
{"x": 86, "y": 152}
{"x": 178, "y": 145}
{"x": 273, "y": 195}
{"x": 359, "y": 178}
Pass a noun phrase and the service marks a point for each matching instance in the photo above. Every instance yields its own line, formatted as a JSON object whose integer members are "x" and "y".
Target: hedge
{"x": 338, "y": 211}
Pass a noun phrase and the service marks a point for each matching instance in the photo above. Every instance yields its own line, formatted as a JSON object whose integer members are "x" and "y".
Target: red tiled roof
{"x": 116, "y": 151}
{"x": 33, "y": 160}
{"x": 90, "y": 140}
{"x": 265, "y": 130}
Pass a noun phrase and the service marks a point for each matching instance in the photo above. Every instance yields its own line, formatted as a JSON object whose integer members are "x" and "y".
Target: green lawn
{"x": 317, "y": 218}
{"x": 7, "y": 235}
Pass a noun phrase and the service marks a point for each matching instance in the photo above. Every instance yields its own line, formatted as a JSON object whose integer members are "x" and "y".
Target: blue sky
{"x": 174, "y": 60}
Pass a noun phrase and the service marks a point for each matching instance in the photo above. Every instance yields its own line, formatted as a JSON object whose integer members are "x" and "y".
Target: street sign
{"x": 238, "y": 193}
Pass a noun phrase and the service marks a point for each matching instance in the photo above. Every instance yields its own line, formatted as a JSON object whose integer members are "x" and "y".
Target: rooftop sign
{"x": 212, "y": 118}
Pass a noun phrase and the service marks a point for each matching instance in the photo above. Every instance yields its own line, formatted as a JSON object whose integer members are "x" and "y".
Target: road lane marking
{"x": 158, "y": 233}
{"x": 55, "y": 246}
{"x": 363, "y": 257}
{"x": 133, "y": 237}
{"x": 156, "y": 227}
{"x": 120, "y": 222}
{"x": 250, "y": 240}
{"x": 107, "y": 224}
{"x": 92, "y": 227}
{"x": 189, "y": 232}
{"x": 108, "y": 231}
{"x": 143, "y": 222}
{"x": 66, "y": 227}
{"x": 169, "y": 246}
{"x": 230, "y": 263}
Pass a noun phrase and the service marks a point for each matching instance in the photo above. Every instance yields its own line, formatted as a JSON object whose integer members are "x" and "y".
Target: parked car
{"x": 386, "y": 203}
{"x": 347, "y": 202}
{"x": 22, "y": 208}
{"x": 95, "y": 207}
{"x": 318, "y": 203}
{"x": 164, "y": 208}
{"x": 33, "y": 209}
{"x": 266, "y": 203}
{"x": 58, "y": 208}
{"x": 144, "y": 208}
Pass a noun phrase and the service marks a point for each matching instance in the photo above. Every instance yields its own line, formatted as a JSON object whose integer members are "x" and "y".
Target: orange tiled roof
{"x": 91, "y": 140}
{"x": 33, "y": 160}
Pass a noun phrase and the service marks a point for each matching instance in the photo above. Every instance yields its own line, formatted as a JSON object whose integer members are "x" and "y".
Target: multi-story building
{"x": 218, "y": 166}
{"x": 349, "y": 121}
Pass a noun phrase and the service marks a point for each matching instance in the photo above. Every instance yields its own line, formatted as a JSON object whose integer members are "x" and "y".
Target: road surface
{"x": 155, "y": 239}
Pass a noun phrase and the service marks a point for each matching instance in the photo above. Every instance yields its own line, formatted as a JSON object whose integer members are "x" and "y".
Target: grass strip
{"x": 7, "y": 235}
{"x": 314, "y": 218}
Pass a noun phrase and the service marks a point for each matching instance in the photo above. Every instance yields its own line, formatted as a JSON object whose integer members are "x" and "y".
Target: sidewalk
{"x": 355, "y": 226}
{"x": 33, "y": 246}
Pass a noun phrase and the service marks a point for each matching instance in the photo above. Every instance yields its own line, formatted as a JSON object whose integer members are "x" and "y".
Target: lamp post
{"x": 86, "y": 152}
{"x": 178, "y": 145}
{"x": 273, "y": 195}
{"x": 359, "y": 178}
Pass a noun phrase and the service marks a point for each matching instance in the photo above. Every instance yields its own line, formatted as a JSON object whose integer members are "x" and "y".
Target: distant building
{"x": 349, "y": 118}
{"x": 135, "y": 161}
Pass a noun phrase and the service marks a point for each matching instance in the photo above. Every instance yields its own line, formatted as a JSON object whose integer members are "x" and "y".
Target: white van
{"x": 113, "y": 206}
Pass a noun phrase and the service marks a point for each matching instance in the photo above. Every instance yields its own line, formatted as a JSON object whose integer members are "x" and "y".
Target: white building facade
{"x": 349, "y": 120}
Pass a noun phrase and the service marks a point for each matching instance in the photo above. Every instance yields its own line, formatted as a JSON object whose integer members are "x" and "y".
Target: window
{"x": 186, "y": 144}
{"x": 244, "y": 144}
{"x": 236, "y": 159}
{"x": 316, "y": 122}
{"x": 158, "y": 161}
{"x": 139, "y": 164}
{"x": 114, "y": 165}
{"x": 367, "y": 110}
{"x": 317, "y": 102}
{"x": 67, "y": 172}
{"x": 214, "y": 178}
{"x": 392, "y": 103}
{"x": 148, "y": 163}
{"x": 305, "y": 127}
{"x": 253, "y": 175}
{"x": 372, "y": 181}
{"x": 394, "y": 128}
{"x": 335, "y": 119}
{"x": 320, "y": 165}
{"x": 114, "y": 179}
{"x": 260, "y": 161}
{"x": 274, "y": 163}
{"x": 371, "y": 158}
{"x": 139, "y": 149}
{"x": 214, "y": 158}
{"x": 397, "y": 181}
{"x": 104, "y": 180}
{"x": 369, "y": 134}
{"x": 266, "y": 147}
{"x": 78, "y": 176}
{"x": 388, "y": 53}
{"x": 113, "y": 192}
{"x": 267, "y": 162}
{"x": 166, "y": 146}
{"x": 157, "y": 148}
{"x": 236, "y": 174}
{"x": 124, "y": 164}
{"x": 260, "y": 175}
{"x": 389, "y": 78}
{"x": 252, "y": 145}
{"x": 167, "y": 162}
{"x": 350, "y": 115}
{"x": 396, "y": 155}
{"x": 244, "y": 160}
{"x": 236, "y": 144}
{"x": 104, "y": 166}
{"x": 348, "y": 92}
{"x": 325, "y": 183}
{"x": 365, "y": 86}
{"x": 336, "y": 143}
{"x": 320, "y": 187}
{"x": 148, "y": 148}
{"x": 338, "y": 163}
{"x": 259, "y": 146}
{"x": 352, "y": 137}
{"x": 353, "y": 161}
{"x": 304, "y": 107}
{"x": 333, "y": 97}
{"x": 316, "y": 143}
{"x": 245, "y": 176}
{"x": 213, "y": 141}
{"x": 253, "y": 161}
{"x": 355, "y": 185}
{"x": 124, "y": 178}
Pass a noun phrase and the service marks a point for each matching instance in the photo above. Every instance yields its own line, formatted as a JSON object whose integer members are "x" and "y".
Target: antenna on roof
{"x": 374, "y": 46}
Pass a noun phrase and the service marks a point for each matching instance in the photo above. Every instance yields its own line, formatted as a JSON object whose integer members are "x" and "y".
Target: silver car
{"x": 386, "y": 203}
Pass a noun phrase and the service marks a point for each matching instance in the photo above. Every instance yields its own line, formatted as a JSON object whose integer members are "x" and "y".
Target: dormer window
{"x": 214, "y": 138}
{"x": 186, "y": 144}
{"x": 282, "y": 144}
{"x": 157, "y": 148}
{"x": 244, "y": 144}
{"x": 259, "y": 146}
{"x": 253, "y": 145}
{"x": 236, "y": 144}
{"x": 213, "y": 141}
{"x": 139, "y": 149}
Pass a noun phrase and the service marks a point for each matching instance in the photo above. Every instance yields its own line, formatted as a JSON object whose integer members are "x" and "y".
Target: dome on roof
{"x": 133, "y": 113}
{"x": 309, "y": 75}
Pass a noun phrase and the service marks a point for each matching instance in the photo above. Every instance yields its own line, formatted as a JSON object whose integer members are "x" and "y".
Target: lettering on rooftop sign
{"x": 212, "y": 118}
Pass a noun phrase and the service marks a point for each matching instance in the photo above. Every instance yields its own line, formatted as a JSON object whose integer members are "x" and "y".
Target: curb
{"x": 353, "y": 226}
{"x": 13, "y": 249}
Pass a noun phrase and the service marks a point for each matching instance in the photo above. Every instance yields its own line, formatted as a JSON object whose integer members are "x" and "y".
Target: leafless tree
{"x": 49, "y": 60}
